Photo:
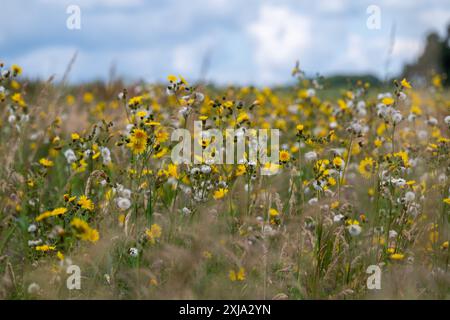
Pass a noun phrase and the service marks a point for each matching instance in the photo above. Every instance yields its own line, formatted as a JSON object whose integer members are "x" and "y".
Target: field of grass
{"x": 87, "y": 180}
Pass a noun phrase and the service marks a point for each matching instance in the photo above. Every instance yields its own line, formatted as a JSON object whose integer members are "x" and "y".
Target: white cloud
{"x": 436, "y": 19}
{"x": 332, "y": 6}
{"x": 188, "y": 57}
{"x": 361, "y": 54}
{"x": 356, "y": 54}
{"x": 396, "y": 4}
{"x": 54, "y": 60}
{"x": 96, "y": 3}
{"x": 249, "y": 41}
{"x": 47, "y": 61}
{"x": 280, "y": 37}
{"x": 406, "y": 49}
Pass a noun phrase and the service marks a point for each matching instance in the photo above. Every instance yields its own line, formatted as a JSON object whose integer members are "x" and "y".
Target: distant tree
{"x": 446, "y": 55}
{"x": 434, "y": 59}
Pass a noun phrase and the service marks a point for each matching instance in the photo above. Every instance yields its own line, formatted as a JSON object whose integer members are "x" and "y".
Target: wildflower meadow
{"x": 184, "y": 188}
{"x": 88, "y": 178}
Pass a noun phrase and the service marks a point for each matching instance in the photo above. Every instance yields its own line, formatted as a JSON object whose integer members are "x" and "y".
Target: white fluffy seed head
{"x": 123, "y": 203}
{"x": 410, "y": 196}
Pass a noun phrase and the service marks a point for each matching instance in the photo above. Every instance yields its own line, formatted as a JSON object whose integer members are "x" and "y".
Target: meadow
{"x": 87, "y": 180}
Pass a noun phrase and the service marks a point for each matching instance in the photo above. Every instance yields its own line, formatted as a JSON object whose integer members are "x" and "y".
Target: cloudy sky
{"x": 234, "y": 41}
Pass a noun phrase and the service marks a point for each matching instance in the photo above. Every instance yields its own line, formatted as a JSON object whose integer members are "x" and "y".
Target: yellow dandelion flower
{"x": 335, "y": 204}
{"x": 46, "y": 162}
{"x": 162, "y": 136}
{"x": 378, "y": 143}
{"x": 273, "y": 213}
{"x": 121, "y": 219}
{"x": 141, "y": 113}
{"x": 96, "y": 155}
{"x": 240, "y": 170}
{"x": 70, "y": 100}
{"x": 172, "y": 170}
{"x": 152, "y": 124}
{"x": 237, "y": 275}
{"x": 243, "y": 116}
{"x": 85, "y": 203}
{"x": 161, "y": 153}
{"x": 16, "y": 69}
{"x": 397, "y": 256}
{"x": 342, "y": 105}
{"x": 153, "y": 282}
{"x": 52, "y": 213}
{"x": 207, "y": 255}
{"x": 366, "y": 167}
{"x": 405, "y": 84}
{"x": 75, "y": 136}
{"x": 88, "y": 97}
{"x": 387, "y": 101}
{"x": 172, "y": 78}
{"x": 137, "y": 146}
{"x": 284, "y": 156}
{"x": 154, "y": 233}
{"x": 331, "y": 181}
{"x": 434, "y": 236}
{"x": 17, "y": 98}
{"x": 60, "y": 255}
{"x": 139, "y": 134}
{"x": 93, "y": 235}
{"x": 135, "y": 101}
{"x": 220, "y": 193}
{"x": 338, "y": 162}
{"x": 84, "y": 231}
{"x": 45, "y": 248}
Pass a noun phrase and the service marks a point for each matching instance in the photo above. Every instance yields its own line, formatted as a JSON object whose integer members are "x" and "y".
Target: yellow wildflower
{"x": 46, "y": 162}
{"x": 237, "y": 275}
{"x": 366, "y": 167}
{"x": 85, "y": 203}
{"x": 45, "y": 248}
{"x": 405, "y": 84}
{"x": 220, "y": 193}
{"x": 397, "y": 256}
{"x": 154, "y": 233}
{"x": 53, "y": 213}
